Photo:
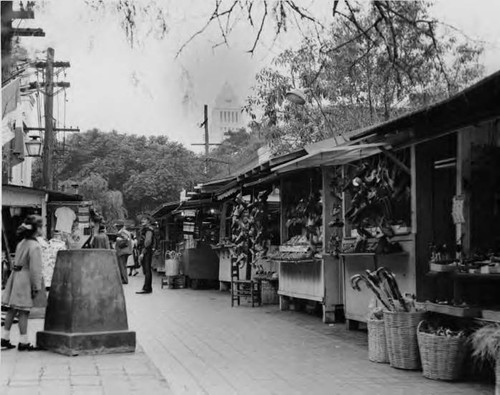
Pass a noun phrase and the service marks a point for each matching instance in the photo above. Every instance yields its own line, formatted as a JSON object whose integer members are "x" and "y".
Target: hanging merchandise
{"x": 249, "y": 228}
{"x": 65, "y": 218}
{"x": 378, "y": 188}
{"x": 458, "y": 209}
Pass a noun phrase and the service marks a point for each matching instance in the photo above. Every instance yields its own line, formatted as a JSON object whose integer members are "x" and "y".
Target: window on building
{"x": 220, "y": 116}
{"x": 236, "y": 117}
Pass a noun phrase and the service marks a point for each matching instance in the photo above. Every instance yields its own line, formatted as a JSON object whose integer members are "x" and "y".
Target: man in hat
{"x": 145, "y": 247}
{"x": 123, "y": 248}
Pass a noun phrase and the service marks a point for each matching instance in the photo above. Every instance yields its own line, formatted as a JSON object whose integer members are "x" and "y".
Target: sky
{"x": 139, "y": 90}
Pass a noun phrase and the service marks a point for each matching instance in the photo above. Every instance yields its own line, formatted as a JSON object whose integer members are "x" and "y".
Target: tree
{"x": 144, "y": 171}
{"x": 237, "y": 147}
{"x": 107, "y": 202}
{"x": 356, "y": 76}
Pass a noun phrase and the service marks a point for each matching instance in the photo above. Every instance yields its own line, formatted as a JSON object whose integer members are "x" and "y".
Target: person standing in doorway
{"x": 145, "y": 247}
{"x": 123, "y": 248}
{"x": 24, "y": 284}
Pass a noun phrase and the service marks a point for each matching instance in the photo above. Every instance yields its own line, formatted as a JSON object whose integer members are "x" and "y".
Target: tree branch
{"x": 260, "y": 29}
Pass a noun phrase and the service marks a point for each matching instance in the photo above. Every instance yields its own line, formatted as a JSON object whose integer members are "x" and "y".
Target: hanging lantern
{"x": 34, "y": 146}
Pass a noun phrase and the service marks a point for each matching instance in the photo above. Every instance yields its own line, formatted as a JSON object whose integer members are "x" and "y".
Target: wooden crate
{"x": 269, "y": 292}
{"x": 174, "y": 282}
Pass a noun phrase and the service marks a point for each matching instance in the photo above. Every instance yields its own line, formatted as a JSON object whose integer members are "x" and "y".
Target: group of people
{"x": 131, "y": 252}
{"x": 25, "y": 287}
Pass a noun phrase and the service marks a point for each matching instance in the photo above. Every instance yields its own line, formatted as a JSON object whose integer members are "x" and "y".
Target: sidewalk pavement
{"x": 203, "y": 346}
{"x": 47, "y": 373}
{"x": 193, "y": 342}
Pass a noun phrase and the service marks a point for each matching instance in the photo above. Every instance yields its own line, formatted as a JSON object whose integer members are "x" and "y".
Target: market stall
{"x": 306, "y": 272}
{"x": 263, "y": 213}
{"x": 377, "y": 232}
{"x": 200, "y": 230}
{"x": 464, "y": 255}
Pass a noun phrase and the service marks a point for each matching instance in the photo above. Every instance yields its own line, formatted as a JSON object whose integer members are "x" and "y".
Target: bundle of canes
{"x": 383, "y": 273}
{"x": 371, "y": 285}
{"x": 382, "y": 288}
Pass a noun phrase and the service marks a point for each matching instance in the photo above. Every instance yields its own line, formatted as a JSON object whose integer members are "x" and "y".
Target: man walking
{"x": 145, "y": 247}
{"x": 123, "y": 248}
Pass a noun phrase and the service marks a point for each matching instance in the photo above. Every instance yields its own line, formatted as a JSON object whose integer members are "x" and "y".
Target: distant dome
{"x": 227, "y": 98}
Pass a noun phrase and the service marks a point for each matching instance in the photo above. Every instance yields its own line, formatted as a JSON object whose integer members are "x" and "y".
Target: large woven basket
{"x": 377, "y": 345}
{"x": 442, "y": 357}
{"x": 401, "y": 335}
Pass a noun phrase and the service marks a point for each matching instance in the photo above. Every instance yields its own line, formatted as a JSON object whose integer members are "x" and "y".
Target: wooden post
{"x": 49, "y": 124}
{"x": 205, "y": 121}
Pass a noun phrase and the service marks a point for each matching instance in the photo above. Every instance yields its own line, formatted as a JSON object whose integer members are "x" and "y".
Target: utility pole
{"x": 48, "y": 142}
{"x": 205, "y": 121}
{"x": 207, "y": 143}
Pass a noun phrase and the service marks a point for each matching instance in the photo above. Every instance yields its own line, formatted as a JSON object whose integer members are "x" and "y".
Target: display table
{"x": 316, "y": 280}
{"x": 479, "y": 290}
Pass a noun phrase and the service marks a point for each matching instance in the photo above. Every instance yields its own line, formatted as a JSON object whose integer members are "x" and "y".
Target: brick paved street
{"x": 203, "y": 346}
{"x": 193, "y": 342}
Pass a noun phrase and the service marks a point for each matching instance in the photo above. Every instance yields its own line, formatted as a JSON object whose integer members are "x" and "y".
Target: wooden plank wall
{"x": 302, "y": 280}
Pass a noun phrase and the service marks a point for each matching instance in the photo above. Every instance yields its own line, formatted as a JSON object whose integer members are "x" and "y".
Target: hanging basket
{"x": 442, "y": 356}
{"x": 377, "y": 345}
{"x": 401, "y": 335}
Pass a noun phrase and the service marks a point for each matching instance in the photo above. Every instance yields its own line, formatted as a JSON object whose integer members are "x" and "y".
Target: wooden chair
{"x": 243, "y": 288}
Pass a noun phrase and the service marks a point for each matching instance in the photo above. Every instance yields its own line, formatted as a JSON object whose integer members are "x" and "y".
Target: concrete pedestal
{"x": 86, "y": 312}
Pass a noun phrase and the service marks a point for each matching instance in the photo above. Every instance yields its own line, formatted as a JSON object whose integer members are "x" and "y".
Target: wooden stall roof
{"x": 165, "y": 209}
{"x": 52, "y": 196}
{"x": 336, "y": 155}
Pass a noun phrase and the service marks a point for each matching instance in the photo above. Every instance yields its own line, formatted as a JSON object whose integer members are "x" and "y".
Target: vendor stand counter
{"x": 314, "y": 279}
{"x": 356, "y": 303}
{"x": 201, "y": 263}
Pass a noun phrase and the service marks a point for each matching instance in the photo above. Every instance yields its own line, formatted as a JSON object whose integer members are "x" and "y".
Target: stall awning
{"x": 16, "y": 196}
{"x": 330, "y": 156}
{"x": 165, "y": 209}
{"x": 190, "y": 204}
{"x": 11, "y": 192}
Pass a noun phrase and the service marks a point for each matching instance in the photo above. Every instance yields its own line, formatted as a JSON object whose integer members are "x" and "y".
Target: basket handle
{"x": 420, "y": 324}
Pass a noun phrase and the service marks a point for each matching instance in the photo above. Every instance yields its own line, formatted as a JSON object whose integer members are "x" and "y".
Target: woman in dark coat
{"x": 24, "y": 283}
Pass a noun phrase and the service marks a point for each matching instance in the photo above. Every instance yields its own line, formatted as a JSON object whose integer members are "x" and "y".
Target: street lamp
{"x": 34, "y": 146}
{"x": 296, "y": 96}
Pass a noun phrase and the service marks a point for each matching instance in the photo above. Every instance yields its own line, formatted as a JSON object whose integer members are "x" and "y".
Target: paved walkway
{"x": 203, "y": 346}
{"x": 46, "y": 373}
{"x": 193, "y": 342}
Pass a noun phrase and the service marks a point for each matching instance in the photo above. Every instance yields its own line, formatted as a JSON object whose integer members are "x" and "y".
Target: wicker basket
{"x": 401, "y": 335}
{"x": 442, "y": 357}
{"x": 377, "y": 346}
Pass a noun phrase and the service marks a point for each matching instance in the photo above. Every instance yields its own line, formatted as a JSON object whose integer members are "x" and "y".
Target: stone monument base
{"x": 86, "y": 343}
